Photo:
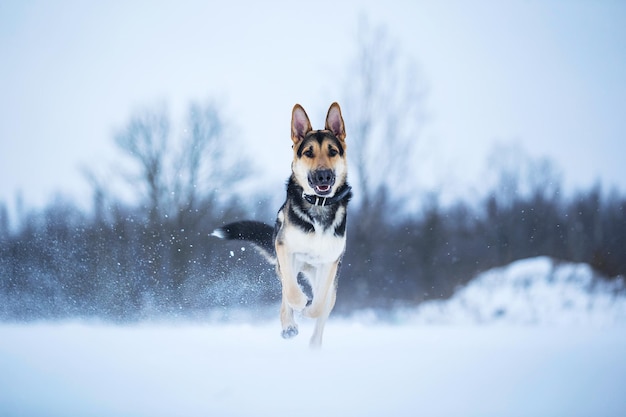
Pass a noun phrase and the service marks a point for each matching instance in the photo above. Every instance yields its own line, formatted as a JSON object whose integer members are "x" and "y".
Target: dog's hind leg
{"x": 325, "y": 293}
{"x": 318, "y": 332}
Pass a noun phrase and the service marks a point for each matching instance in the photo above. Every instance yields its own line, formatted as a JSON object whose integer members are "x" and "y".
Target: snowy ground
{"x": 244, "y": 370}
{"x": 523, "y": 352}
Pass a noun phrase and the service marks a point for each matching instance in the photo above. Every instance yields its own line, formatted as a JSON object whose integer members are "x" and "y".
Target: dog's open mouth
{"x": 322, "y": 189}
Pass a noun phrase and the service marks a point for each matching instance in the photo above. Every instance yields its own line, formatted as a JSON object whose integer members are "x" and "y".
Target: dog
{"x": 308, "y": 239}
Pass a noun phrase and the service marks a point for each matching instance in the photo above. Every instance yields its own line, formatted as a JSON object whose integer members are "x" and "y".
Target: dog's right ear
{"x": 300, "y": 124}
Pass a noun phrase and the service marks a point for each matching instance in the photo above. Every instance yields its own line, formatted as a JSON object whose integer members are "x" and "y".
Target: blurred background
{"x": 480, "y": 133}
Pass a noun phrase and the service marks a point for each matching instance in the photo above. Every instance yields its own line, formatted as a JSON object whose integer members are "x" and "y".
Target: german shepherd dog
{"x": 309, "y": 237}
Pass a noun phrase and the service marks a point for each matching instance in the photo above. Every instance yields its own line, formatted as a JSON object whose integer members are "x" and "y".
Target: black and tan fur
{"x": 309, "y": 237}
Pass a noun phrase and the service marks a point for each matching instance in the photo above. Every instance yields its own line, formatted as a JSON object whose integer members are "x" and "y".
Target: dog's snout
{"x": 324, "y": 176}
{"x": 322, "y": 180}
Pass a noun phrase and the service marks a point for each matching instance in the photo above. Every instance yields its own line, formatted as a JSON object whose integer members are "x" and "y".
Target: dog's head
{"x": 319, "y": 156}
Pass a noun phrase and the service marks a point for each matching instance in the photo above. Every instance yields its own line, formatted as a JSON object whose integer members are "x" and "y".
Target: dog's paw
{"x": 290, "y": 332}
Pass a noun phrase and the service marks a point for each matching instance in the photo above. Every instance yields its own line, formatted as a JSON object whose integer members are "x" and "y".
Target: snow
{"x": 515, "y": 342}
{"x": 529, "y": 292}
{"x": 79, "y": 369}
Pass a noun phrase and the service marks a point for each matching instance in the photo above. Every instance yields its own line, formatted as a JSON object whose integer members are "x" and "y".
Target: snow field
{"x": 79, "y": 369}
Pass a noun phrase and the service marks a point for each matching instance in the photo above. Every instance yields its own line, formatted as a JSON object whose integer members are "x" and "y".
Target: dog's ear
{"x": 300, "y": 124}
{"x": 334, "y": 122}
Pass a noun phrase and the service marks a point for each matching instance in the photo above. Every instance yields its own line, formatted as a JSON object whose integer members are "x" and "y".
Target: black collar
{"x": 327, "y": 201}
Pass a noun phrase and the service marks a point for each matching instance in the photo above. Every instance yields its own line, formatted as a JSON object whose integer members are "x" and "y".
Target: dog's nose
{"x": 324, "y": 176}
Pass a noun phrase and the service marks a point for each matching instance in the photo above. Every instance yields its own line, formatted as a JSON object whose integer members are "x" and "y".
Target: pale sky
{"x": 548, "y": 75}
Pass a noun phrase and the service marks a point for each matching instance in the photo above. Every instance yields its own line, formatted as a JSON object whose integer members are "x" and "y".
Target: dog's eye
{"x": 332, "y": 152}
{"x": 308, "y": 153}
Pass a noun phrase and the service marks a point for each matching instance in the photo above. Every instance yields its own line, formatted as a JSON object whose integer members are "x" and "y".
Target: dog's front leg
{"x": 292, "y": 295}
{"x": 288, "y": 269}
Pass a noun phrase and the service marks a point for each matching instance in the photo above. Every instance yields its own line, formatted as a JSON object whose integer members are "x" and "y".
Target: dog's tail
{"x": 261, "y": 235}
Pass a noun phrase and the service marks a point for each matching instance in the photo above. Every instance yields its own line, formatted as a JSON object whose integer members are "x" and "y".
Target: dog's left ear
{"x": 334, "y": 122}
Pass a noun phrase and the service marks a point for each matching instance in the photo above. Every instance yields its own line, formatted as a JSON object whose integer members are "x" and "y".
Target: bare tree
{"x": 145, "y": 139}
{"x": 178, "y": 175}
{"x": 385, "y": 103}
{"x": 384, "y": 109}
{"x": 180, "y": 179}
{"x": 207, "y": 164}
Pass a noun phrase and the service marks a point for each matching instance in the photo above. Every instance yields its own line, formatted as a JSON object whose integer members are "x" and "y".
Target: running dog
{"x": 308, "y": 239}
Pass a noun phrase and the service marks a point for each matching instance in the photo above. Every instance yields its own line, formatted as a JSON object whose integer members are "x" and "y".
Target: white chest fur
{"x": 315, "y": 248}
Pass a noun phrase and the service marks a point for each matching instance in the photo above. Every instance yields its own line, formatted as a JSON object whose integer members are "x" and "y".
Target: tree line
{"x": 127, "y": 261}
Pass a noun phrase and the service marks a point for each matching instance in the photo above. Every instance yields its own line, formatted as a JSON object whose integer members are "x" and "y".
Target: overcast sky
{"x": 549, "y": 75}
